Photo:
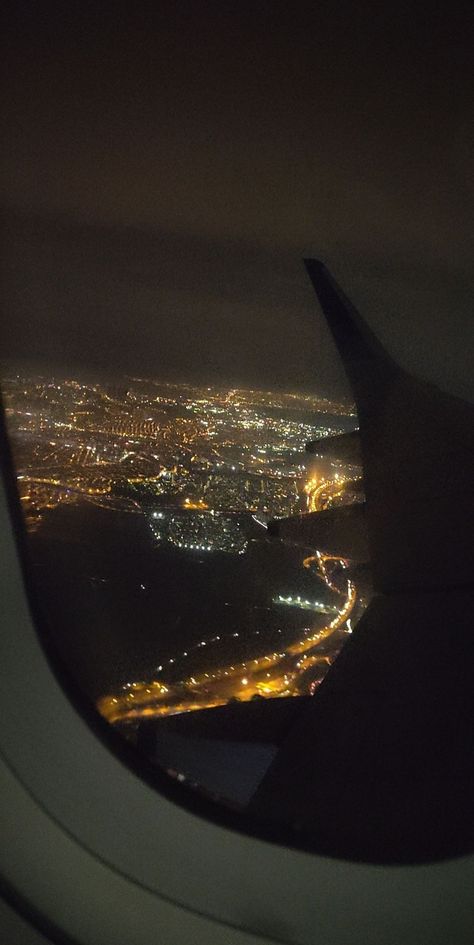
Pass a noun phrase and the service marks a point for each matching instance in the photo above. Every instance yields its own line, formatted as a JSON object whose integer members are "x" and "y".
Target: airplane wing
{"x": 416, "y": 445}
{"x": 380, "y": 763}
{"x": 342, "y": 446}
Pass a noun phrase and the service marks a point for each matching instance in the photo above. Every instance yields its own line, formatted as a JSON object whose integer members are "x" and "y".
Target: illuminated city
{"x": 200, "y": 470}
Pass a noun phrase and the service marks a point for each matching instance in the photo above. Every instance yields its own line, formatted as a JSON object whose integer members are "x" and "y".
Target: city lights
{"x": 204, "y": 469}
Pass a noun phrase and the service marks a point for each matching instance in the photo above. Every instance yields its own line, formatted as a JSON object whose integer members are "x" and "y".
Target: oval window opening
{"x": 202, "y": 553}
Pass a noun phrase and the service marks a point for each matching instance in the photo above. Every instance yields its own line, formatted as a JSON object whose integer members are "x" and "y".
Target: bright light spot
{"x": 244, "y": 681}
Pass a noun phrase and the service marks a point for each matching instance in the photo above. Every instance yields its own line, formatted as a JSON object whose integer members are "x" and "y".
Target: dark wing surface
{"x": 379, "y": 765}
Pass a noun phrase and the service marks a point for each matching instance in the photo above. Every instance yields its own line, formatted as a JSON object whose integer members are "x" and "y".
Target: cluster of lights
{"x": 203, "y": 524}
{"x": 305, "y": 604}
{"x": 234, "y": 413}
{"x": 87, "y": 410}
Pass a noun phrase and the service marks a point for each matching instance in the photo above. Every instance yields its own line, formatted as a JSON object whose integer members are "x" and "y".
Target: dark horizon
{"x": 166, "y": 171}
{"x": 31, "y": 369}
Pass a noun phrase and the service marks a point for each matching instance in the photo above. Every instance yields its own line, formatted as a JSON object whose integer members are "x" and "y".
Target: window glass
{"x": 150, "y": 499}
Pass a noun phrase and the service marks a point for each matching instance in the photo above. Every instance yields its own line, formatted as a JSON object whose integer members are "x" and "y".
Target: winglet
{"x": 365, "y": 360}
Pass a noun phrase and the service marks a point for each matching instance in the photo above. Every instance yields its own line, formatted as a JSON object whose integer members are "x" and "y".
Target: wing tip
{"x": 311, "y": 262}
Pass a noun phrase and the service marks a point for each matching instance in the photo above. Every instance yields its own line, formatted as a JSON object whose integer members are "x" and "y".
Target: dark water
{"x": 90, "y": 565}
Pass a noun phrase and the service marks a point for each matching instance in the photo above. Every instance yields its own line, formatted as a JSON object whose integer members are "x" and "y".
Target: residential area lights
{"x": 193, "y": 462}
{"x": 228, "y": 451}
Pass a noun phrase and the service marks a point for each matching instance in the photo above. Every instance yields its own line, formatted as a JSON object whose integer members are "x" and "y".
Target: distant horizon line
{"x": 89, "y": 375}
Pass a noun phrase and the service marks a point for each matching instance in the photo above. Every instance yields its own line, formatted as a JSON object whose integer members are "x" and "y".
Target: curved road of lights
{"x": 275, "y": 674}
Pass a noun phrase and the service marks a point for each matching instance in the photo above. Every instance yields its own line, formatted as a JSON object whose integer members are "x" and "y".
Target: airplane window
{"x": 165, "y": 511}
{"x": 205, "y": 522}
{"x": 241, "y": 480}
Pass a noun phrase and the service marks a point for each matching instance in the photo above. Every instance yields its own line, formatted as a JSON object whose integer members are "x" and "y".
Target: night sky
{"x": 166, "y": 166}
